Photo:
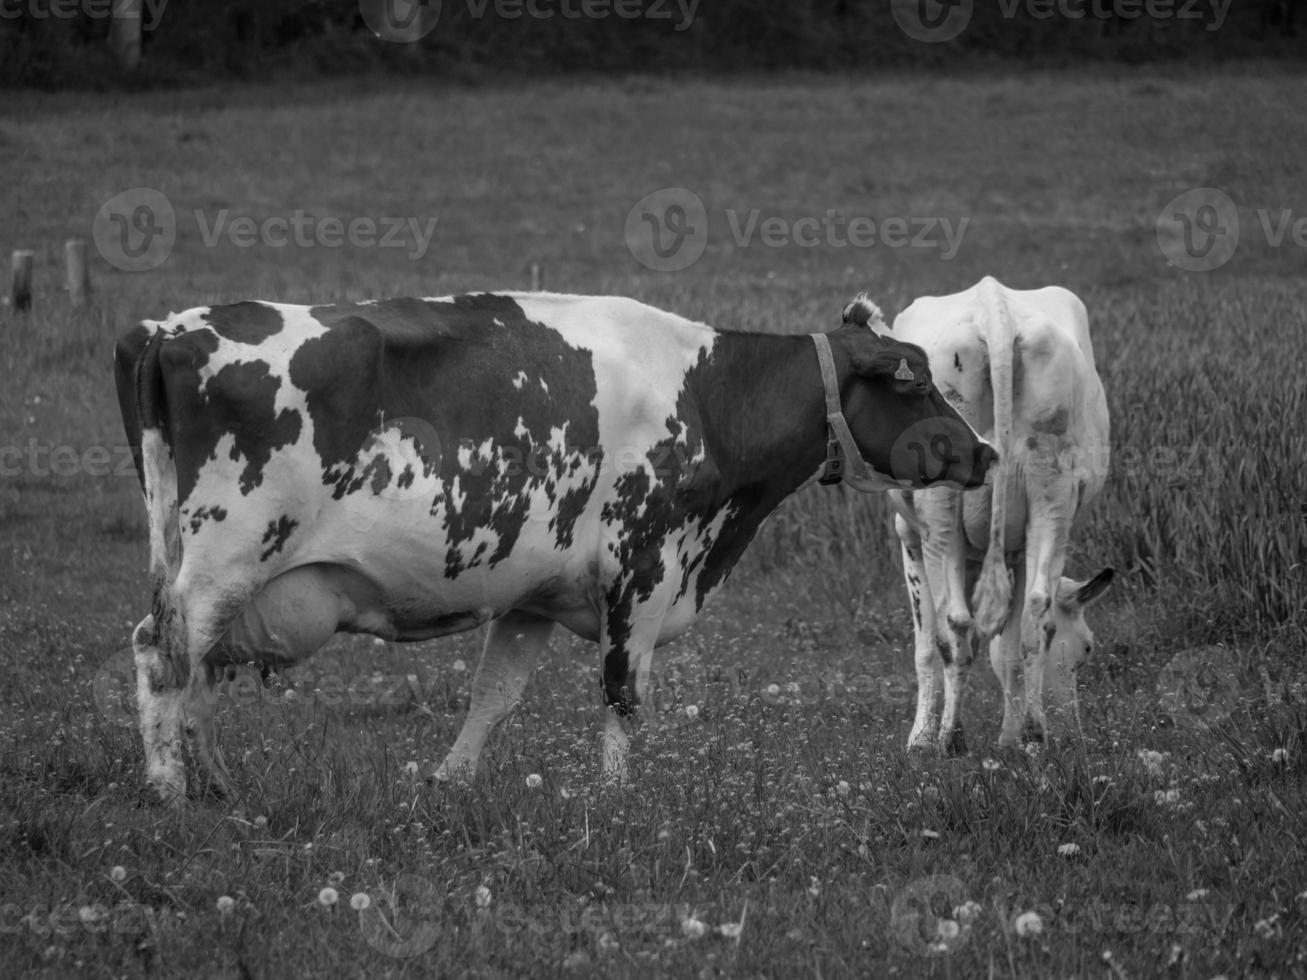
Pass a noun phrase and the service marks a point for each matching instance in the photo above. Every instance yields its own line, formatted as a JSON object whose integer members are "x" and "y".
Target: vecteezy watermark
{"x": 136, "y": 230}
{"x": 114, "y": 689}
{"x": 306, "y": 231}
{"x": 933, "y": 916}
{"x": 403, "y": 919}
{"x": 400, "y": 21}
{"x": 90, "y": 9}
{"x": 1199, "y": 230}
{"x": 667, "y": 230}
{"x": 1199, "y": 688}
{"x": 934, "y": 21}
{"x": 411, "y": 20}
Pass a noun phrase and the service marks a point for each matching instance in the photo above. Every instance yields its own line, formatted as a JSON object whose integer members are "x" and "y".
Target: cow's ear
{"x": 1082, "y": 594}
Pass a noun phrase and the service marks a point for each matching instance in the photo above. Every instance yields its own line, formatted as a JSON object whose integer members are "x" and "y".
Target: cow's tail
{"x": 142, "y": 399}
{"x": 994, "y": 590}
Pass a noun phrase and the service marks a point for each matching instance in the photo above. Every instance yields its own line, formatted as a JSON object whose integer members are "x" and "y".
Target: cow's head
{"x": 903, "y": 427}
{"x": 1070, "y": 644}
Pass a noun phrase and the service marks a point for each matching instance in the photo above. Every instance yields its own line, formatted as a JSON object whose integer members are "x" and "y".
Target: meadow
{"x": 775, "y": 825}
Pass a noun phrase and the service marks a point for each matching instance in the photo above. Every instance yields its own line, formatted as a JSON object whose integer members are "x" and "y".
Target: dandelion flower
{"x": 534, "y": 780}
{"x": 843, "y": 787}
{"x": 483, "y": 897}
{"x": 773, "y": 690}
{"x": 731, "y": 930}
{"x": 1267, "y": 928}
{"x": 692, "y": 928}
{"x": 118, "y": 873}
{"x": 930, "y": 834}
{"x": 1029, "y": 924}
{"x": 225, "y": 904}
{"x": 458, "y": 666}
{"x": 260, "y": 821}
{"x": 967, "y": 912}
{"x": 360, "y": 901}
{"x": 1152, "y": 761}
{"x": 992, "y": 764}
{"x": 1280, "y": 755}
{"x": 327, "y": 897}
{"x": 1068, "y": 850}
{"x": 1166, "y": 797}
{"x": 410, "y": 768}
{"x": 1197, "y": 895}
{"x": 692, "y": 711}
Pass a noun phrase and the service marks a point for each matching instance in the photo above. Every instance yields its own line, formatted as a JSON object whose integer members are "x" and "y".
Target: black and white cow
{"x": 417, "y": 467}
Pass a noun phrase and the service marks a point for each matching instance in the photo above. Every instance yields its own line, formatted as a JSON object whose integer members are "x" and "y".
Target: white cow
{"x": 1018, "y": 365}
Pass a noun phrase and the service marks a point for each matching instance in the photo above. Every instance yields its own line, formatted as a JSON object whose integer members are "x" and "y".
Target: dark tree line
{"x": 50, "y": 43}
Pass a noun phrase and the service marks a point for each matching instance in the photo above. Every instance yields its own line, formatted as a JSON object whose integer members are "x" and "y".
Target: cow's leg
{"x": 160, "y": 677}
{"x": 1005, "y": 658}
{"x": 627, "y": 640}
{"x": 925, "y": 658}
{"x": 955, "y": 644}
{"x": 512, "y": 643}
{"x": 1048, "y": 528}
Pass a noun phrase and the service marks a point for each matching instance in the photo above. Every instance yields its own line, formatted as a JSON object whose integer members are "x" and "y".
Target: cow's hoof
{"x": 954, "y": 743}
{"x": 1032, "y": 734}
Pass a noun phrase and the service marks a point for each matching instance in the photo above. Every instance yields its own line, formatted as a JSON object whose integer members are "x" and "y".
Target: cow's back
{"x": 1059, "y": 408}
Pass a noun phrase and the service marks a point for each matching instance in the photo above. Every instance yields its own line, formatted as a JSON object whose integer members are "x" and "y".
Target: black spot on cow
{"x": 957, "y": 362}
{"x": 1049, "y": 631}
{"x": 945, "y": 653}
{"x": 202, "y": 514}
{"x": 451, "y": 364}
{"x": 244, "y": 323}
{"x": 276, "y": 534}
{"x": 195, "y": 414}
{"x": 1055, "y": 424}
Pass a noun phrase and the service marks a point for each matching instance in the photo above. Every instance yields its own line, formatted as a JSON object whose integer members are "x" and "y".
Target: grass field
{"x": 785, "y": 823}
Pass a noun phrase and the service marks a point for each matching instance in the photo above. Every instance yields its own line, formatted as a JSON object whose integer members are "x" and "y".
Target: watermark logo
{"x": 400, "y": 21}
{"x": 1198, "y": 230}
{"x": 411, "y": 449}
{"x": 1199, "y": 688}
{"x": 307, "y": 231}
{"x": 114, "y": 689}
{"x": 932, "y": 21}
{"x": 933, "y": 916}
{"x": 667, "y": 231}
{"x": 931, "y": 450}
{"x": 403, "y": 920}
{"x": 90, "y": 9}
{"x": 135, "y": 231}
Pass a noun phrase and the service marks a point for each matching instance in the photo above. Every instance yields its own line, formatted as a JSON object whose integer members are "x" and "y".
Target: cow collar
{"x": 843, "y": 461}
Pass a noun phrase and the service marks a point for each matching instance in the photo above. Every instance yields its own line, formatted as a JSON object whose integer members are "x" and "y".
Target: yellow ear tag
{"x": 904, "y": 373}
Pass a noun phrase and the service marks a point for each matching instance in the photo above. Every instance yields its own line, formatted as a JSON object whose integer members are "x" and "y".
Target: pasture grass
{"x": 771, "y": 788}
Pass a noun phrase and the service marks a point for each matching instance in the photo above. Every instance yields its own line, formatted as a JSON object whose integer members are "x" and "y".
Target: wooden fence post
{"x": 21, "y": 280}
{"x": 79, "y": 277}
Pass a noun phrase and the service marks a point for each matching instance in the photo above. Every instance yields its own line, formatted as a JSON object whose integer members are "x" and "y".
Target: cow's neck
{"x": 762, "y": 406}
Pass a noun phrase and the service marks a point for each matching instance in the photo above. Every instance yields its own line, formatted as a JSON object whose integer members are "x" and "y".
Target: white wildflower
{"x": 1029, "y": 924}
{"x": 692, "y": 928}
